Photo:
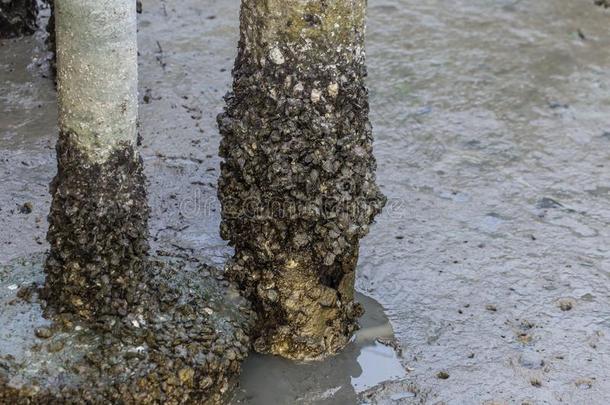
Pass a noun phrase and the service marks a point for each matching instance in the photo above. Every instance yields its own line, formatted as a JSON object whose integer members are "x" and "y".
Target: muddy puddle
{"x": 371, "y": 359}
{"x": 493, "y": 142}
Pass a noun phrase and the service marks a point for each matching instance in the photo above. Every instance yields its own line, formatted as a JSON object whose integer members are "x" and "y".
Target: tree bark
{"x": 17, "y": 17}
{"x": 51, "y": 34}
{"x": 98, "y": 219}
{"x": 297, "y": 186}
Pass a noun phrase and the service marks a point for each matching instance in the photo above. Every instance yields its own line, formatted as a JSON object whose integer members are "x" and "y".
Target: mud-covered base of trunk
{"x": 98, "y": 231}
{"x": 183, "y": 343}
{"x": 17, "y": 17}
{"x": 300, "y": 317}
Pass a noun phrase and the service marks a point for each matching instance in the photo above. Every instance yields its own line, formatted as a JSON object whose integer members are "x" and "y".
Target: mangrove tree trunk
{"x": 98, "y": 219}
{"x": 298, "y": 187}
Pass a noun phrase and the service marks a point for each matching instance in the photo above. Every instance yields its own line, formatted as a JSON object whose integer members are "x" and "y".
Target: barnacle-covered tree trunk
{"x": 298, "y": 187}
{"x": 17, "y": 17}
{"x": 98, "y": 220}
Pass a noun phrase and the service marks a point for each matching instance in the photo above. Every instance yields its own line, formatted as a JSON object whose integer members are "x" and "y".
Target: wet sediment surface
{"x": 492, "y": 139}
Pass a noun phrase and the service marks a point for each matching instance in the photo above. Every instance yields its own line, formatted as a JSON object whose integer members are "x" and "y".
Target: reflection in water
{"x": 379, "y": 363}
{"x": 364, "y": 364}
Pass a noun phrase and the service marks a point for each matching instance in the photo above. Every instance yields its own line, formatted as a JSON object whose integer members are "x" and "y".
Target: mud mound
{"x": 184, "y": 342}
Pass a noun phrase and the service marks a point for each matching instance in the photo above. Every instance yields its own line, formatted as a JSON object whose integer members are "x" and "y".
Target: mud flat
{"x": 471, "y": 144}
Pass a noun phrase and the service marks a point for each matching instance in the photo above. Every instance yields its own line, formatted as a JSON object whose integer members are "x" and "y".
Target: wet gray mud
{"x": 492, "y": 140}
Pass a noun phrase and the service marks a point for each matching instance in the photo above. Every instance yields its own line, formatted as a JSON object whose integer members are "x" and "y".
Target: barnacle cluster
{"x": 118, "y": 326}
{"x": 182, "y": 342}
{"x": 17, "y": 17}
{"x": 297, "y": 185}
{"x": 98, "y": 231}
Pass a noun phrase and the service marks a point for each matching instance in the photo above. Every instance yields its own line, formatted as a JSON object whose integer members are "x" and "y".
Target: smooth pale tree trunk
{"x": 17, "y": 17}
{"x": 98, "y": 219}
{"x": 51, "y": 33}
{"x": 298, "y": 187}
